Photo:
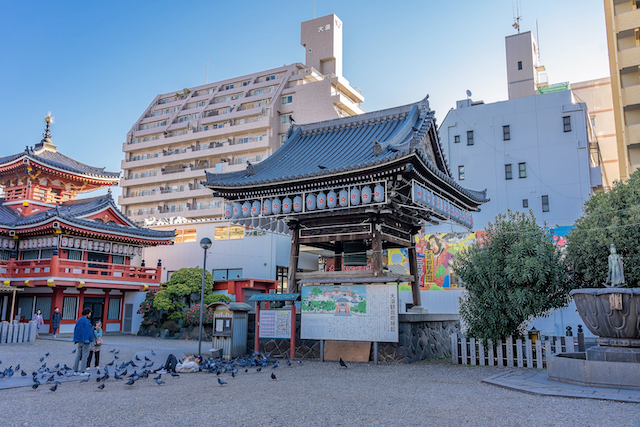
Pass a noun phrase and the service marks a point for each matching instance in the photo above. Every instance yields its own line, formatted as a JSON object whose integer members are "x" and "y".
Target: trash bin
{"x": 230, "y": 328}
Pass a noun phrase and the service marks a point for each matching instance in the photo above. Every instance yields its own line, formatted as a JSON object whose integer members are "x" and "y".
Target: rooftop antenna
{"x": 207, "y": 81}
{"x": 468, "y": 94}
{"x": 538, "y": 39}
{"x": 314, "y": 9}
{"x": 516, "y": 16}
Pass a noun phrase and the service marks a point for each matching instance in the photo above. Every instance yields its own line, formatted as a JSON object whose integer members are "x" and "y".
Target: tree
{"x": 176, "y": 293}
{"x": 609, "y": 217}
{"x": 515, "y": 274}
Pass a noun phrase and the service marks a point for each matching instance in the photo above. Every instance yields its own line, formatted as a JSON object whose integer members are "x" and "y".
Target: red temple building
{"x": 69, "y": 253}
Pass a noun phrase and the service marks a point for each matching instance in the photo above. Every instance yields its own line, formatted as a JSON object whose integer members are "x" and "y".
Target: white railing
{"x": 510, "y": 352}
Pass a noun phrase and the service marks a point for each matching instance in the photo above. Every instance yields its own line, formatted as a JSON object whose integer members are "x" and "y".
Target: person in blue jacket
{"x": 83, "y": 336}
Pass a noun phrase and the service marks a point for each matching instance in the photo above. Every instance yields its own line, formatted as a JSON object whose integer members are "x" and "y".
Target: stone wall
{"x": 421, "y": 337}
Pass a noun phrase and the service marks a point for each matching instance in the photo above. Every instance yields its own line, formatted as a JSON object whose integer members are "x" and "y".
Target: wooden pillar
{"x": 256, "y": 339}
{"x": 376, "y": 248}
{"x": 337, "y": 259}
{"x": 293, "y": 258}
{"x": 413, "y": 270}
{"x": 13, "y": 305}
{"x": 292, "y": 348}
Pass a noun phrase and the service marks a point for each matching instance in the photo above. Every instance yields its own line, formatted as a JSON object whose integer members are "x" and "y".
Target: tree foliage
{"x": 175, "y": 295}
{"x": 609, "y": 217}
{"x": 515, "y": 274}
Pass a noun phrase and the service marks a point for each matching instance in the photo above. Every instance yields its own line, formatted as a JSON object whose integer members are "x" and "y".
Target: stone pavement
{"x": 536, "y": 382}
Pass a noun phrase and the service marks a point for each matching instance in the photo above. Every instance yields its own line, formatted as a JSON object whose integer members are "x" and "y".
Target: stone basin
{"x": 595, "y": 308}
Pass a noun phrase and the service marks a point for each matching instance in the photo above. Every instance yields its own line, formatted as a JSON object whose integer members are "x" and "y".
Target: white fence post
{"x": 529, "y": 354}
{"x": 454, "y": 348}
{"x": 463, "y": 349}
{"x": 472, "y": 348}
{"x": 510, "y": 352}
{"x": 539, "y": 355}
{"x": 569, "y": 343}
{"x": 490, "y": 344}
{"x": 499, "y": 353}
{"x": 481, "y": 353}
{"x": 519, "y": 355}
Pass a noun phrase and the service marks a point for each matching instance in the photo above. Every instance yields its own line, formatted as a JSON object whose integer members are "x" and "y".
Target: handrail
{"x": 81, "y": 270}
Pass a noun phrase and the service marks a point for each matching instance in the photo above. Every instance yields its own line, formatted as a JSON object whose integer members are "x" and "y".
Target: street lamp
{"x": 204, "y": 244}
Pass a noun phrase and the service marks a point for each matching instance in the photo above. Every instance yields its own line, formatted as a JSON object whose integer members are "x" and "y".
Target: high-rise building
{"x": 623, "y": 39}
{"x": 222, "y": 126}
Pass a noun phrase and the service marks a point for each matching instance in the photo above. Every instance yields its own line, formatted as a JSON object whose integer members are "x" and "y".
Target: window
{"x": 46, "y": 253}
{"x": 519, "y": 65}
{"x": 228, "y": 232}
{"x": 188, "y": 235}
{"x": 288, "y": 99}
{"x": 69, "y": 308}
{"x": 525, "y": 203}
{"x": 117, "y": 259}
{"x": 32, "y": 254}
{"x": 283, "y": 138}
{"x": 227, "y": 87}
{"x": 44, "y": 304}
{"x": 5, "y": 255}
{"x": 507, "y": 172}
{"x": 114, "y": 309}
{"x": 506, "y": 133}
{"x": 282, "y": 276}
{"x": 25, "y": 307}
{"x": 522, "y": 170}
{"x": 285, "y": 119}
{"x": 566, "y": 122}
{"x": 545, "y": 203}
{"x": 461, "y": 173}
{"x": 227, "y": 274}
{"x": 469, "y": 137}
{"x": 456, "y": 139}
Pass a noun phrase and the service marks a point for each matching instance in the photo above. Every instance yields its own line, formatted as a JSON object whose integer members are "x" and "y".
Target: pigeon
{"x": 42, "y": 359}
{"x": 111, "y": 351}
{"x": 277, "y": 365}
{"x": 55, "y": 367}
{"x": 299, "y": 362}
{"x": 246, "y": 370}
{"x": 173, "y": 374}
{"x": 259, "y": 369}
{"x": 131, "y": 363}
{"x": 150, "y": 364}
{"x": 131, "y": 381}
{"x": 35, "y": 385}
{"x": 18, "y": 367}
{"x": 54, "y": 388}
{"x": 135, "y": 373}
{"x": 153, "y": 353}
{"x": 116, "y": 376}
{"x": 288, "y": 362}
{"x": 147, "y": 359}
{"x": 116, "y": 352}
{"x": 23, "y": 373}
{"x": 74, "y": 350}
{"x": 221, "y": 381}
{"x": 46, "y": 355}
{"x": 159, "y": 381}
{"x": 110, "y": 364}
{"x": 98, "y": 372}
{"x": 86, "y": 380}
{"x": 273, "y": 376}
{"x": 342, "y": 363}
{"x": 116, "y": 357}
{"x": 158, "y": 377}
{"x": 101, "y": 386}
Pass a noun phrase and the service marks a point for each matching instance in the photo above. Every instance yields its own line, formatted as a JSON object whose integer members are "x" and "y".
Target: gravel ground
{"x": 310, "y": 394}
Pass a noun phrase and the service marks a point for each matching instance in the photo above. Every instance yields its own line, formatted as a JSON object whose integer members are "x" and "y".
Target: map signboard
{"x": 275, "y": 324}
{"x": 350, "y": 312}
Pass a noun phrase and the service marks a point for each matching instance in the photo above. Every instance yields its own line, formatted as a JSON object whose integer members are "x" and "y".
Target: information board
{"x": 350, "y": 312}
{"x": 275, "y": 324}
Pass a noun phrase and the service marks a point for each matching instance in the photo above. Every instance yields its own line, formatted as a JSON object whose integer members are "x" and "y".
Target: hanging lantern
{"x": 267, "y": 207}
{"x": 287, "y": 205}
{"x": 355, "y": 196}
{"x": 366, "y": 195}
{"x": 228, "y": 211}
{"x": 255, "y": 208}
{"x": 297, "y": 204}
{"x": 237, "y": 210}
{"x": 321, "y": 200}
{"x": 275, "y": 206}
{"x": 332, "y": 199}
{"x": 246, "y": 209}
{"x": 378, "y": 193}
{"x": 344, "y": 198}
{"x": 311, "y": 202}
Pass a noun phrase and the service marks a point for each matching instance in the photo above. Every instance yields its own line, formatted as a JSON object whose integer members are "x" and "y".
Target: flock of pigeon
{"x": 219, "y": 366}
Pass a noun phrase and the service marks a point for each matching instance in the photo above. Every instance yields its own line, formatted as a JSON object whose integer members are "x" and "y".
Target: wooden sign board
{"x": 349, "y": 351}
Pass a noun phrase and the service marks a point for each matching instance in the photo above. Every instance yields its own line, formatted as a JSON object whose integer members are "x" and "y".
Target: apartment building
{"x": 623, "y": 39}
{"x": 222, "y": 126}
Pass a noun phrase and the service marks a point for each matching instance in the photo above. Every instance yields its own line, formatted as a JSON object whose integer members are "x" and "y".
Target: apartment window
{"x": 461, "y": 173}
{"x": 469, "y": 137}
{"x": 246, "y": 83}
{"x": 519, "y": 65}
{"x": 266, "y": 79}
{"x": 284, "y": 119}
{"x": 201, "y": 104}
{"x": 525, "y": 203}
{"x": 283, "y": 138}
{"x": 227, "y": 87}
{"x": 287, "y": 99}
{"x": 508, "y": 174}
{"x": 456, "y": 139}
{"x": 566, "y": 122}
{"x": 545, "y": 203}
{"x": 522, "y": 170}
{"x": 593, "y": 121}
{"x": 506, "y": 133}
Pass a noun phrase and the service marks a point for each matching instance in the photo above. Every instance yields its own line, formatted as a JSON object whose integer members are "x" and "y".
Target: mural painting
{"x": 336, "y": 300}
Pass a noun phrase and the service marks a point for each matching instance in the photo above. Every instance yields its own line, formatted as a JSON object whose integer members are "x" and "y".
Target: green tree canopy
{"x": 609, "y": 217}
{"x": 175, "y": 294}
{"x": 515, "y": 274}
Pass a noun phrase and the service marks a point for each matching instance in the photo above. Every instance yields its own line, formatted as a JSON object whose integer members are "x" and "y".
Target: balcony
{"x": 631, "y": 95}
{"x": 80, "y": 270}
{"x": 633, "y": 134}
{"x": 159, "y": 198}
{"x": 629, "y": 57}
{"x": 627, "y": 20}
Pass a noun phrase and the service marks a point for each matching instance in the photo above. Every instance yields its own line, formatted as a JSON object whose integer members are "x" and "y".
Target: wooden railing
{"x": 510, "y": 352}
{"x": 82, "y": 270}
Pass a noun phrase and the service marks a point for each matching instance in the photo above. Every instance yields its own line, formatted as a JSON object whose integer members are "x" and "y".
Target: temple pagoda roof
{"x": 75, "y": 214}
{"x": 49, "y": 156}
{"x": 351, "y": 145}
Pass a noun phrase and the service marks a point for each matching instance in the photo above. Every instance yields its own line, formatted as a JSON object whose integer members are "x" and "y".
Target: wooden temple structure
{"x": 64, "y": 252}
{"x": 353, "y": 185}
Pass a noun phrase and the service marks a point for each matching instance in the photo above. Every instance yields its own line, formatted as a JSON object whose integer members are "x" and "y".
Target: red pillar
{"x": 256, "y": 339}
{"x": 80, "y": 303}
{"x": 292, "y": 350}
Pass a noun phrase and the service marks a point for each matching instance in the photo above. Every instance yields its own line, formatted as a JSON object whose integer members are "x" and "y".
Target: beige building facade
{"x": 623, "y": 39}
{"x": 222, "y": 126}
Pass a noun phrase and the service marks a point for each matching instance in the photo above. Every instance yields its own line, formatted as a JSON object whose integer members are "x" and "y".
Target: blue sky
{"x": 97, "y": 65}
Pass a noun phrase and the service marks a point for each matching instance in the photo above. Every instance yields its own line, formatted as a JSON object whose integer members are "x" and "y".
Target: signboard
{"x": 275, "y": 324}
{"x": 350, "y": 312}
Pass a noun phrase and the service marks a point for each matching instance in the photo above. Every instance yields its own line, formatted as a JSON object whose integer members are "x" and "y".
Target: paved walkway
{"x": 536, "y": 382}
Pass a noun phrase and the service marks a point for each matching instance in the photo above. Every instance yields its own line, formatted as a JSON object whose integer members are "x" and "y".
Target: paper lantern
{"x": 311, "y": 202}
{"x": 287, "y": 205}
{"x": 378, "y": 193}
{"x": 297, "y": 204}
{"x": 332, "y": 199}
{"x": 321, "y": 200}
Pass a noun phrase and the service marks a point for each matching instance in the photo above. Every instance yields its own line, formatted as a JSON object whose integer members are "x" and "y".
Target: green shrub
{"x": 171, "y": 325}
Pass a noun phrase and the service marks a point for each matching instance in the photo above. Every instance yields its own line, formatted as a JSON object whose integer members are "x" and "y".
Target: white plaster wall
{"x": 136, "y": 299}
